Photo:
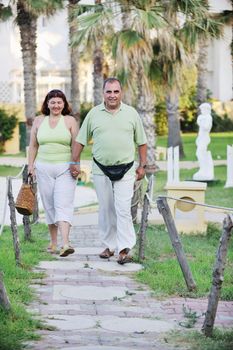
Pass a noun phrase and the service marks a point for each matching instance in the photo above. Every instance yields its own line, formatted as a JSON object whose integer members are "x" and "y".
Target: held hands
{"x": 140, "y": 173}
{"x": 75, "y": 170}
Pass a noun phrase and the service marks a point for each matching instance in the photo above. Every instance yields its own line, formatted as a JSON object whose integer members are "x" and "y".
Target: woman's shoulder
{"x": 69, "y": 119}
{"x": 38, "y": 119}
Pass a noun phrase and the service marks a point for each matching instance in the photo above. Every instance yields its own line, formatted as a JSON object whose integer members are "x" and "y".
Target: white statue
{"x": 204, "y": 121}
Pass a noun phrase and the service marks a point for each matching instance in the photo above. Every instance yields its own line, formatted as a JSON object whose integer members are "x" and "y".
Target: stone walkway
{"x": 97, "y": 304}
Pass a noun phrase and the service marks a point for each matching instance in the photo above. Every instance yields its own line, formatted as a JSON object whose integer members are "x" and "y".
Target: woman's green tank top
{"x": 54, "y": 143}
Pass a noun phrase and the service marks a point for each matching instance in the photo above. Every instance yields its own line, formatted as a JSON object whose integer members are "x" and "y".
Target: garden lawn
{"x": 7, "y": 170}
{"x": 18, "y": 325}
{"x": 216, "y": 194}
{"x": 162, "y": 271}
{"x": 217, "y": 146}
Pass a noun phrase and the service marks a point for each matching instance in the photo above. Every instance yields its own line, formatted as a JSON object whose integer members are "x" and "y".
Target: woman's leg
{"x": 64, "y": 228}
{"x": 53, "y": 229}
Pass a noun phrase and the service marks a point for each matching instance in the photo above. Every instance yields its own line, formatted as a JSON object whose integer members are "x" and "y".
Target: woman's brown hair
{"x": 55, "y": 93}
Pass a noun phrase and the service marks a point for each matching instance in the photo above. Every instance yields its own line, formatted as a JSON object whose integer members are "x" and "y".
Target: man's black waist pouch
{"x": 114, "y": 172}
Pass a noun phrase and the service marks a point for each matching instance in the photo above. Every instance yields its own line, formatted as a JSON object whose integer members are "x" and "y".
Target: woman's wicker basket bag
{"x": 25, "y": 202}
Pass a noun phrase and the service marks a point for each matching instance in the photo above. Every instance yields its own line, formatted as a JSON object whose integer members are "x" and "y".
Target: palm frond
{"x": 92, "y": 25}
{"x": 150, "y": 19}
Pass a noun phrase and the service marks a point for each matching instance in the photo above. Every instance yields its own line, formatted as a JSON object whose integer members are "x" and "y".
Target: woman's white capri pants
{"x": 57, "y": 190}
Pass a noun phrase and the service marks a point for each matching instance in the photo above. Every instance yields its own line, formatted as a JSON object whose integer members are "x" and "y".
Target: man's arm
{"x": 142, "y": 152}
{"x": 75, "y": 161}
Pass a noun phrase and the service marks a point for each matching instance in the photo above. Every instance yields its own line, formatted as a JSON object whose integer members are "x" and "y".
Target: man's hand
{"x": 75, "y": 170}
{"x": 140, "y": 171}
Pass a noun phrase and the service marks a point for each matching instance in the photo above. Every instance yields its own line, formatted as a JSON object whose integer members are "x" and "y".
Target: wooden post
{"x": 26, "y": 219}
{"x": 218, "y": 278}
{"x": 144, "y": 220}
{"x": 13, "y": 223}
{"x": 176, "y": 243}
{"x": 136, "y": 200}
{"x": 4, "y": 300}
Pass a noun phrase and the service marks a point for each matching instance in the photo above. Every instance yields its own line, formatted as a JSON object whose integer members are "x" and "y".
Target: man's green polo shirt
{"x": 114, "y": 135}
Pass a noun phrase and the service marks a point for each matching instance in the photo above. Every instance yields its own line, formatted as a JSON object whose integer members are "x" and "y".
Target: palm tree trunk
{"x": 98, "y": 59}
{"x": 74, "y": 64}
{"x": 27, "y": 23}
{"x": 146, "y": 109}
{"x": 174, "y": 135}
{"x": 202, "y": 72}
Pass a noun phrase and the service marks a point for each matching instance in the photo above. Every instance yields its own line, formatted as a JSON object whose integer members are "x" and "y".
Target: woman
{"x": 49, "y": 157}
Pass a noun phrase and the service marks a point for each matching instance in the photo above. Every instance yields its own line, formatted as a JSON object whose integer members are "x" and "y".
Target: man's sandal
{"x": 106, "y": 254}
{"x": 66, "y": 250}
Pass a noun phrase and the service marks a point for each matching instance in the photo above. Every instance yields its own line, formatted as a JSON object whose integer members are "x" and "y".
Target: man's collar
{"x": 103, "y": 107}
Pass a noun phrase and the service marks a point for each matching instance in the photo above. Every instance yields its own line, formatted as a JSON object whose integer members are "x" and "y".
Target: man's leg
{"x": 123, "y": 193}
{"x": 107, "y": 214}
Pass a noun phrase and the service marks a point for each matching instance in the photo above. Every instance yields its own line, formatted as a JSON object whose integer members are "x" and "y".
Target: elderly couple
{"x": 54, "y": 158}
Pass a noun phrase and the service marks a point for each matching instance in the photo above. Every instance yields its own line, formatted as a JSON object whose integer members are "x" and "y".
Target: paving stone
{"x": 77, "y": 265}
{"x": 67, "y": 322}
{"x": 87, "y": 292}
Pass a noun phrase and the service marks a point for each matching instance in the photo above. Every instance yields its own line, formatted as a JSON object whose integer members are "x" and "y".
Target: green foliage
{"x": 7, "y": 170}
{"x": 161, "y": 119}
{"x": 221, "y": 124}
{"x": 188, "y": 110}
{"x": 7, "y": 126}
{"x": 5, "y": 12}
{"x": 84, "y": 109}
{"x": 221, "y": 340}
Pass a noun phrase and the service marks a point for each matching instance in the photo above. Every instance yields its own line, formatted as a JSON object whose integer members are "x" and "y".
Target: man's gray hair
{"x": 111, "y": 80}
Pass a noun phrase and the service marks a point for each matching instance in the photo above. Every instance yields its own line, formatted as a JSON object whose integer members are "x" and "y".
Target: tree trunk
{"x": 74, "y": 63}
{"x": 28, "y": 26}
{"x": 4, "y": 300}
{"x": 174, "y": 135}
{"x": 98, "y": 59}
{"x": 26, "y": 219}
{"x": 202, "y": 72}
{"x": 218, "y": 278}
{"x": 14, "y": 229}
{"x": 146, "y": 109}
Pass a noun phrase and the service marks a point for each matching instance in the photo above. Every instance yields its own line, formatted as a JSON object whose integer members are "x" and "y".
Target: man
{"x": 115, "y": 128}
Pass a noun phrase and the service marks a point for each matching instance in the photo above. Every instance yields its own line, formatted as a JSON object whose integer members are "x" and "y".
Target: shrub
{"x": 7, "y": 126}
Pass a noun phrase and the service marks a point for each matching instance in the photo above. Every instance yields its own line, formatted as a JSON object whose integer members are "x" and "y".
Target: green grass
{"x": 218, "y": 145}
{"x": 221, "y": 340}
{"x": 7, "y": 170}
{"x": 216, "y": 194}
{"x": 162, "y": 271}
{"x": 18, "y": 325}
{"x": 17, "y": 155}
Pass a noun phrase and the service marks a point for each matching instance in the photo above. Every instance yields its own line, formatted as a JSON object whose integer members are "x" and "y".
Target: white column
{"x": 229, "y": 182}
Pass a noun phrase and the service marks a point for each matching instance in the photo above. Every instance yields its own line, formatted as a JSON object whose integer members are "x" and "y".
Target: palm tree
{"x": 98, "y": 60}
{"x": 26, "y": 18}
{"x": 27, "y": 22}
{"x": 74, "y": 61}
{"x": 133, "y": 50}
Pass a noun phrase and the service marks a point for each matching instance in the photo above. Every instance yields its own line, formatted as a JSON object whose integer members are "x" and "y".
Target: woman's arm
{"x": 33, "y": 146}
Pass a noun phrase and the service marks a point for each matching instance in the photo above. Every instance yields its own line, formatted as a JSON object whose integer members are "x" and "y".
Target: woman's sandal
{"x": 52, "y": 249}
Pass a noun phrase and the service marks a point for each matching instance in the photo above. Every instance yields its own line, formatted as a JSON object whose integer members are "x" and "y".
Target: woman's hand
{"x": 31, "y": 171}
